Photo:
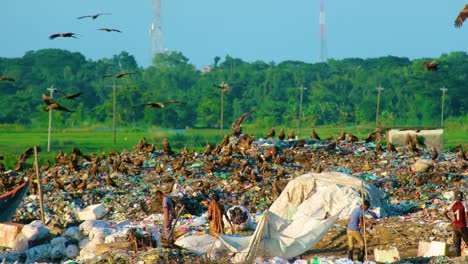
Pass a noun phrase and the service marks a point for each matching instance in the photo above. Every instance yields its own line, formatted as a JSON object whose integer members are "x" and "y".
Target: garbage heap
{"x": 242, "y": 170}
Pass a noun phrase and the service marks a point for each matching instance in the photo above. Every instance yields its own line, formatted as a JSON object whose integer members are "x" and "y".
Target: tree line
{"x": 336, "y": 92}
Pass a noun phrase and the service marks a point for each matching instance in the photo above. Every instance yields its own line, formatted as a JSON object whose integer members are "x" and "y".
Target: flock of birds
{"x": 73, "y": 35}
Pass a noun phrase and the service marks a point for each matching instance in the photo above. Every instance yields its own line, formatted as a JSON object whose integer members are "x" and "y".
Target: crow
{"x": 110, "y": 30}
{"x": 461, "y": 16}
{"x": 63, "y": 35}
{"x": 93, "y": 16}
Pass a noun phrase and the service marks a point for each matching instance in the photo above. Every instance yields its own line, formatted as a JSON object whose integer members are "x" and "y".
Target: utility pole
{"x": 113, "y": 112}
{"x": 379, "y": 90}
{"x": 51, "y": 89}
{"x": 443, "y": 89}
{"x": 300, "y": 108}
{"x": 222, "y": 111}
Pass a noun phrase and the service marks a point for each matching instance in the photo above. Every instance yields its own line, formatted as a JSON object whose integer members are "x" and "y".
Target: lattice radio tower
{"x": 323, "y": 44}
{"x": 156, "y": 30}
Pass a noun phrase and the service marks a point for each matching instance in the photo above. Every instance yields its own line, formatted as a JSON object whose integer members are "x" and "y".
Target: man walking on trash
{"x": 215, "y": 214}
{"x": 460, "y": 230}
{"x": 353, "y": 231}
{"x": 168, "y": 211}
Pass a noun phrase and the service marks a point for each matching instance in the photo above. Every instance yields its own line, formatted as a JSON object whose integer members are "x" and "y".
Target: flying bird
{"x": 162, "y": 104}
{"x": 461, "y": 16}
{"x": 110, "y": 30}
{"x": 51, "y": 104}
{"x": 431, "y": 66}
{"x": 5, "y": 78}
{"x": 93, "y": 16}
{"x": 223, "y": 86}
{"x": 118, "y": 75}
{"x": 63, "y": 35}
{"x": 70, "y": 96}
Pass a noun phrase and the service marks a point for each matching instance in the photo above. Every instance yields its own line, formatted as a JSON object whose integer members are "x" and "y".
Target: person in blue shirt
{"x": 353, "y": 231}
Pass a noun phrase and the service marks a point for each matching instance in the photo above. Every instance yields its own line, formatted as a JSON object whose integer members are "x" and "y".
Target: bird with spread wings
{"x": 51, "y": 104}
{"x": 118, "y": 75}
{"x": 161, "y": 104}
{"x": 223, "y": 86}
{"x": 63, "y": 35}
{"x": 110, "y": 30}
{"x": 461, "y": 16}
{"x": 93, "y": 16}
{"x": 5, "y": 78}
{"x": 68, "y": 96}
{"x": 236, "y": 126}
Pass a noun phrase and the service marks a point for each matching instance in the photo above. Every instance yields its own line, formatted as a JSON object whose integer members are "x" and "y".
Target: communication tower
{"x": 157, "y": 45}
{"x": 323, "y": 44}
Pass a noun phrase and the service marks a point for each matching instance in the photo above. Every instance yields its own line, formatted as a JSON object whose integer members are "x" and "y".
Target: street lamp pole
{"x": 300, "y": 108}
{"x": 222, "y": 111}
{"x": 443, "y": 89}
{"x": 113, "y": 113}
{"x": 51, "y": 89}
{"x": 379, "y": 90}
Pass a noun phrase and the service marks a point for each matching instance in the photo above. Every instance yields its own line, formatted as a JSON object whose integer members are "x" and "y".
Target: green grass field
{"x": 14, "y": 141}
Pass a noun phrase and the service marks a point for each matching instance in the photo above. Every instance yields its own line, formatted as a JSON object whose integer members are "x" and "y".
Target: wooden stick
{"x": 39, "y": 188}
{"x": 363, "y": 220}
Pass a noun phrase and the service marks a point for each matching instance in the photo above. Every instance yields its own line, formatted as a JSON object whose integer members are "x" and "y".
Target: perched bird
{"x": 281, "y": 134}
{"x": 110, "y": 30}
{"x": 110, "y": 181}
{"x": 51, "y": 104}
{"x": 313, "y": 134}
{"x": 434, "y": 154}
{"x": 63, "y": 35}
{"x": 93, "y": 16}
{"x": 389, "y": 147}
{"x": 271, "y": 133}
{"x": 236, "y": 126}
{"x": 167, "y": 147}
{"x": 223, "y": 86}
{"x": 351, "y": 138}
{"x": 118, "y": 75}
{"x": 461, "y": 16}
{"x": 5, "y": 78}
{"x": 161, "y": 104}
{"x": 291, "y": 134}
{"x": 45, "y": 166}
{"x": 431, "y": 66}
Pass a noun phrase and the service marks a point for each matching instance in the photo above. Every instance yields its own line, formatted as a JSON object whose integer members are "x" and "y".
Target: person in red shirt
{"x": 460, "y": 229}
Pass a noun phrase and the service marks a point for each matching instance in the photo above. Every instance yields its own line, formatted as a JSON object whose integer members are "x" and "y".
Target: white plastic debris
{"x": 35, "y": 230}
{"x": 72, "y": 251}
{"x": 73, "y": 233}
{"x": 92, "y": 212}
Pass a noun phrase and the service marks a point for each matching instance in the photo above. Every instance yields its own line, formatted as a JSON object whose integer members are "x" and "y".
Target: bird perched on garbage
{"x": 351, "y": 138}
{"x": 6, "y": 78}
{"x": 281, "y": 134}
{"x": 93, "y": 16}
{"x": 314, "y": 135}
{"x": 45, "y": 166}
{"x": 434, "y": 154}
{"x": 271, "y": 133}
{"x": 110, "y": 181}
{"x": 118, "y": 75}
{"x": 291, "y": 134}
{"x": 161, "y": 104}
{"x": 341, "y": 136}
{"x": 456, "y": 148}
{"x": 63, "y": 35}
{"x": 236, "y": 125}
{"x": 378, "y": 147}
{"x": 166, "y": 147}
{"x": 462, "y": 15}
{"x": 110, "y": 30}
{"x": 51, "y": 104}
{"x": 431, "y": 65}
{"x": 389, "y": 147}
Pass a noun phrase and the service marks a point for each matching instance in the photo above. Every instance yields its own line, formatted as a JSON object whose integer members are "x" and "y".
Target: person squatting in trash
{"x": 215, "y": 214}
{"x": 353, "y": 231}
{"x": 168, "y": 212}
{"x": 459, "y": 224}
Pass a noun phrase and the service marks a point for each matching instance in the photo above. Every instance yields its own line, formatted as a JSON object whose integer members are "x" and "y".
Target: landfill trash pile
{"x": 244, "y": 171}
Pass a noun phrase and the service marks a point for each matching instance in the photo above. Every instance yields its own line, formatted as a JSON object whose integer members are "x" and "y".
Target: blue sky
{"x": 266, "y": 30}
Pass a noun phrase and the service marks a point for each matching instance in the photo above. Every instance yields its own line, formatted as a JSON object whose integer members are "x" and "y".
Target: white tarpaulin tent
{"x": 295, "y": 221}
{"x": 329, "y": 192}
